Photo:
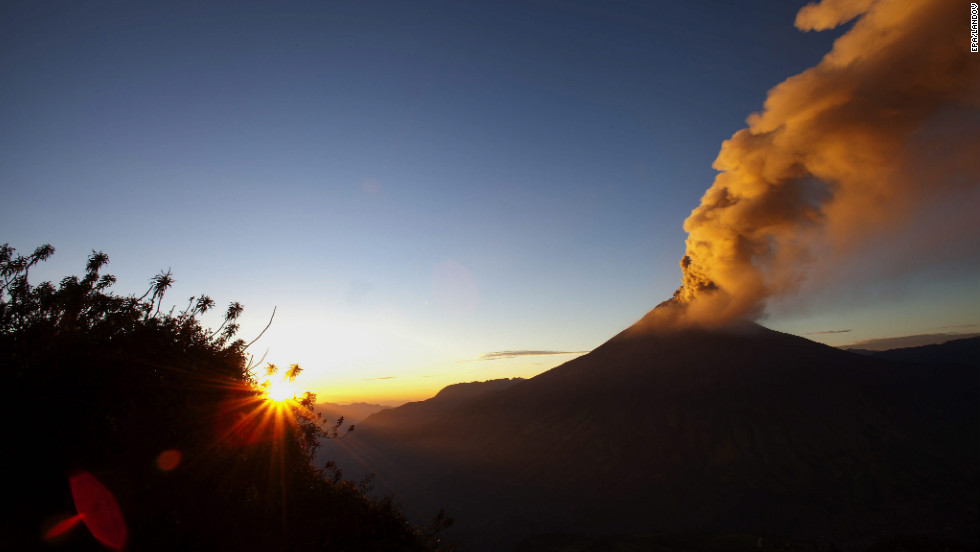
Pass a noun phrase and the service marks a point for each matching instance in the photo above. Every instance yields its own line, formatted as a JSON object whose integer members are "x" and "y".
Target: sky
{"x": 426, "y": 192}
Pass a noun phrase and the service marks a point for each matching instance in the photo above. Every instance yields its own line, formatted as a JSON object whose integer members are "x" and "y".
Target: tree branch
{"x": 263, "y": 331}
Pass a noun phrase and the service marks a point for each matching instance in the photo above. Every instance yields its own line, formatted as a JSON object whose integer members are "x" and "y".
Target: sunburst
{"x": 280, "y": 391}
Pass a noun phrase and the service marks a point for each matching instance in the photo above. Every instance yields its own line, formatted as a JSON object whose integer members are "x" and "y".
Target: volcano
{"x": 735, "y": 429}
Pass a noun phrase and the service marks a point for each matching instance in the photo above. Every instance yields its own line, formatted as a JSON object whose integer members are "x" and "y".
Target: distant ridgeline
{"x": 132, "y": 426}
{"x": 955, "y": 351}
{"x": 731, "y": 438}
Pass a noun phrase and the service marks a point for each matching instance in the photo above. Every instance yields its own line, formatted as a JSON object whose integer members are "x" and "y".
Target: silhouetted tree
{"x": 170, "y": 418}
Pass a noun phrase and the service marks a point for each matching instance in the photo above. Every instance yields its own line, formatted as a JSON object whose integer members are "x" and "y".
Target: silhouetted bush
{"x": 170, "y": 417}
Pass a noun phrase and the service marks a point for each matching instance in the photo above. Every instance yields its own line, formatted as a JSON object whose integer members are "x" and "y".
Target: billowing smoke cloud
{"x": 887, "y": 124}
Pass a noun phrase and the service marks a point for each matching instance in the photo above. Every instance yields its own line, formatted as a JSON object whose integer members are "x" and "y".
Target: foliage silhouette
{"x": 109, "y": 385}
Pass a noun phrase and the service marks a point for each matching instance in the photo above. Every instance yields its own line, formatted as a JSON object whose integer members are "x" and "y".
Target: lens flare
{"x": 62, "y": 527}
{"x": 168, "y": 460}
{"x": 97, "y": 507}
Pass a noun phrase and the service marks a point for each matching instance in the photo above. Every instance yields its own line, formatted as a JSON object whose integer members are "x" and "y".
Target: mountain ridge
{"x": 953, "y": 351}
{"x": 736, "y": 428}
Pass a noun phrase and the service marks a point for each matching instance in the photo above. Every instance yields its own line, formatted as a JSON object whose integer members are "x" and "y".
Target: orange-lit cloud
{"x": 497, "y": 355}
{"x": 884, "y": 128}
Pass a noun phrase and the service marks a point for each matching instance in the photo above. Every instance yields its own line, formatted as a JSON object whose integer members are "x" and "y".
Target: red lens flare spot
{"x": 168, "y": 460}
{"x": 98, "y": 509}
{"x": 62, "y": 527}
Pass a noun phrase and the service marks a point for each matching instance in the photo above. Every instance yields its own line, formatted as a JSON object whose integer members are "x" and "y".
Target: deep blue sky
{"x": 414, "y": 184}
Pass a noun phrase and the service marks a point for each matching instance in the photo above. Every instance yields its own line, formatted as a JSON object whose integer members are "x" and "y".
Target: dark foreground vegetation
{"x": 162, "y": 425}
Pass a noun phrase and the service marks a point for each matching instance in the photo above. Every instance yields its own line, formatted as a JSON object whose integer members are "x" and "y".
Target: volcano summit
{"x": 731, "y": 429}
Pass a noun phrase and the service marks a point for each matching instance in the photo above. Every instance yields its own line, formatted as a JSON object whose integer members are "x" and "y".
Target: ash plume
{"x": 885, "y": 127}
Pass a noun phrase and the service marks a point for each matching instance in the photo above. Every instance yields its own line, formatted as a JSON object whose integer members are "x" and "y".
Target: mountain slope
{"x": 737, "y": 429}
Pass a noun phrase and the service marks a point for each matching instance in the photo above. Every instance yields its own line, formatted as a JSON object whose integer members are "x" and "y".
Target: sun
{"x": 280, "y": 391}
